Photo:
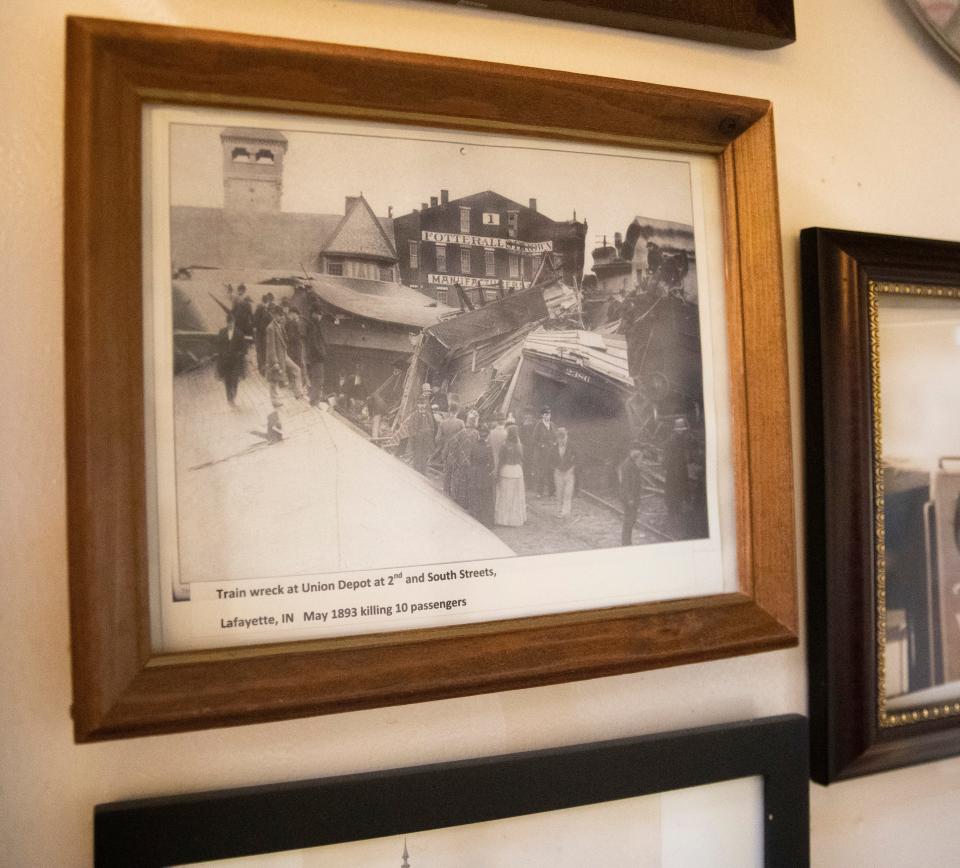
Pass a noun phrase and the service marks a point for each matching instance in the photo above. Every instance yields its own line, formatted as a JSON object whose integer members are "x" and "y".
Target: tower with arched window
{"x": 252, "y": 168}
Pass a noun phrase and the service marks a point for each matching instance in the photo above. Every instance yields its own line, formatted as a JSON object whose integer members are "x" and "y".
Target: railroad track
{"x": 641, "y": 523}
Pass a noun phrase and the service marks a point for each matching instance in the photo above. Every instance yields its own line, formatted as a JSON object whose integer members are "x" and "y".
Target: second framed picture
{"x": 425, "y": 377}
{"x": 882, "y": 339}
{"x": 728, "y": 796}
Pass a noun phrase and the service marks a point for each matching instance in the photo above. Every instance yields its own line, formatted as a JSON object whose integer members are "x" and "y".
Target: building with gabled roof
{"x": 370, "y": 321}
{"x": 360, "y": 245}
{"x": 279, "y": 240}
{"x": 252, "y": 231}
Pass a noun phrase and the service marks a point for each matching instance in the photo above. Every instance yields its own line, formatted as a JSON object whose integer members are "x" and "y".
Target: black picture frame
{"x": 851, "y": 732}
{"x": 274, "y": 818}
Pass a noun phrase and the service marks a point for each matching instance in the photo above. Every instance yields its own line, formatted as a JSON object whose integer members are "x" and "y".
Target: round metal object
{"x": 941, "y": 18}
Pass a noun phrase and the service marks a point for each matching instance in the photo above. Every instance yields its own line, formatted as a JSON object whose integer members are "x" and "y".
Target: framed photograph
{"x": 733, "y": 795}
{"x": 882, "y": 342}
{"x": 744, "y": 23}
{"x": 425, "y": 377}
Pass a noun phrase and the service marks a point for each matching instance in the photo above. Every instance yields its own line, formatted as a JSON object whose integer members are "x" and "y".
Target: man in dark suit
{"x": 544, "y": 445}
{"x": 631, "y": 490}
{"x": 676, "y": 470}
{"x": 315, "y": 354}
{"x": 261, "y": 319}
{"x": 295, "y": 330}
{"x": 243, "y": 312}
{"x": 231, "y": 356}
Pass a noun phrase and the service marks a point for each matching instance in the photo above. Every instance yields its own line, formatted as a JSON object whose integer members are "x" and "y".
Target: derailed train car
{"x": 637, "y": 380}
{"x": 470, "y": 357}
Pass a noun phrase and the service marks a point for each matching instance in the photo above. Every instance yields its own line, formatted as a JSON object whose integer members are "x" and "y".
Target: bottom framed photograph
{"x": 730, "y": 795}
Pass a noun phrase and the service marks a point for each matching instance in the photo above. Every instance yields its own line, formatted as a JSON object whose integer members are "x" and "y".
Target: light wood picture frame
{"x": 123, "y": 687}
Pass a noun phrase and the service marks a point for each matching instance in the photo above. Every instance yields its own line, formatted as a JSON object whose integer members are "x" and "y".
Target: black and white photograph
{"x": 406, "y": 377}
{"x": 918, "y": 350}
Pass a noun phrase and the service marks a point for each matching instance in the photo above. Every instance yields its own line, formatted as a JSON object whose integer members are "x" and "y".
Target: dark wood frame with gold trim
{"x": 121, "y": 687}
{"x": 851, "y": 733}
{"x": 744, "y": 23}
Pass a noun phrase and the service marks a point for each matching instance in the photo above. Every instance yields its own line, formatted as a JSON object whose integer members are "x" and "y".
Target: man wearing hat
{"x": 449, "y": 427}
{"x": 314, "y": 354}
{"x": 676, "y": 470}
{"x": 281, "y": 369}
{"x": 563, "y": 461}
{"x": 631, "y": 489}
{"x": 262, "y": 319}
{"x": 544, "y": 445}
{"x": 231, "y": 356}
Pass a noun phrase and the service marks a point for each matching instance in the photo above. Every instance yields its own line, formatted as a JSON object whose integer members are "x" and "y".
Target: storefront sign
{"x": 512, "y": 244}
{"x": 486, "y": 283}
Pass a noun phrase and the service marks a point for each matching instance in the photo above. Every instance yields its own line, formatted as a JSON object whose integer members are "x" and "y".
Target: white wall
{"x": 867, "y": 123}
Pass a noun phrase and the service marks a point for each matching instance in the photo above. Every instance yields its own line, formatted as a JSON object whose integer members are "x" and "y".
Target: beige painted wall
{"x": 867, "y": 124}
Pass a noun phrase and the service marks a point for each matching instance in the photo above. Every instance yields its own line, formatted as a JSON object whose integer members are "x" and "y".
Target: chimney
{"x": 423, "y": 206}
{"x": 617, "y": 241}
{"x": 533, "y": 204}
{"x": 444, "y": 197}
{"x": 389, "y": 212}
{"x": 433, "y": 201}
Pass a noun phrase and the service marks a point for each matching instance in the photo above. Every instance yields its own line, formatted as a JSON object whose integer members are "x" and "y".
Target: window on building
{"x": 414, "y": 255}
{"x": 464, "y": 260}
{"x": 513, "y": 223}
{"x": 335, "y": 267}
{"x": 465, "y": 220}
{"x": 514, "y": 265}
{"x": 265, "y": 156}
{"x": 441, "y": 257}
{"x": 442, "y": 294}
{"x": 386, "y": 273}
{"x": 489, "y": 263}
{"x": 240, "y": 155}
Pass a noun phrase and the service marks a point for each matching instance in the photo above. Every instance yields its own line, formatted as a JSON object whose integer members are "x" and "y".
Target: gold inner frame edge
{"x": 921, "y": 713}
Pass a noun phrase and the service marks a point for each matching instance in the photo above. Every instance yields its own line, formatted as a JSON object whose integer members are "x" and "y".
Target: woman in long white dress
{"x": 511, "y": 507}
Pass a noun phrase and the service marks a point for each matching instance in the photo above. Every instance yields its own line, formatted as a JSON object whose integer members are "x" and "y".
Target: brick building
{"x": 485, "y": 243}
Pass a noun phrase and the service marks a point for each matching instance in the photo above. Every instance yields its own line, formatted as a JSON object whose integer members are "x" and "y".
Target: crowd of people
{"x": 491, "y": 469}
{"x": 487, "y": 468}
{"x": 290, "y": 349}
{"x": 683, "y": 493}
